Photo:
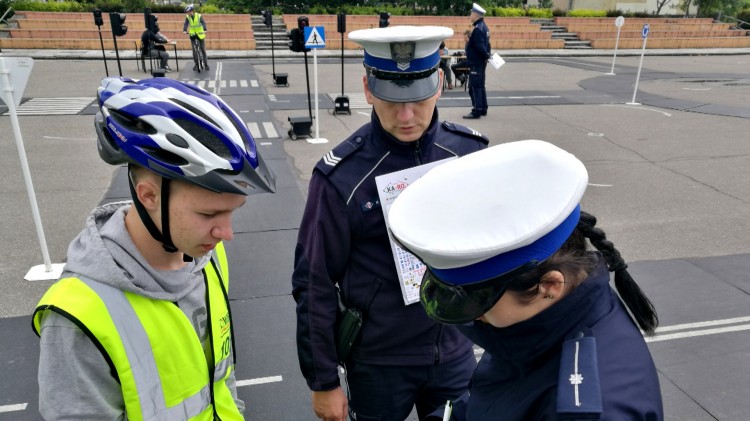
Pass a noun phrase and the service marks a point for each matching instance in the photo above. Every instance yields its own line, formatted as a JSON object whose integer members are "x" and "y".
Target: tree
{"x": 660, "y": 4}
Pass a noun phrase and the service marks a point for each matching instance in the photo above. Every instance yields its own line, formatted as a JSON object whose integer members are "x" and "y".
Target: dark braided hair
{"x": 640, "y": 306}
{"x": 573, "y": 258}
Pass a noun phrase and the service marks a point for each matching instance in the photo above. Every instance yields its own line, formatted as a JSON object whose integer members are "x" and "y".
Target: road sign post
{"x": 315, "y": 40}
{"x": 618, "y": 23}
{"x": 14, "y": 73}
{"x": 644, "y": 34}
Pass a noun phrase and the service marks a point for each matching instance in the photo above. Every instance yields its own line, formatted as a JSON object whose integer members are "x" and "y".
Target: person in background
{"x": 477, "y": 53}
{"x": 445, "y": 64}
{"x": 139, "y": 327}
{"x": 195, "y": 26}
{"x": 152, "y": 43}
{"x": 402, "y": 358}
{"x": 459, "y": 69}
{"x": 507, "y": 261}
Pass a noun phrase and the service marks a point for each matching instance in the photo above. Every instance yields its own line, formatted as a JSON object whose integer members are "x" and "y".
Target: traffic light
{"x": 98, "y": 21}
{"x": 118, "y": 24}
{"x": 303, "y": 22}
{"x": 384, "y": 19}
{"x": 267, "y": 17}
{"x": 295, "y": 39}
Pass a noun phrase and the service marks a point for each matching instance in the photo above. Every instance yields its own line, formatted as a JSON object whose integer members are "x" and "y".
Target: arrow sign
{"x": 644, "y": 32}
{"x": 315, "y": 37}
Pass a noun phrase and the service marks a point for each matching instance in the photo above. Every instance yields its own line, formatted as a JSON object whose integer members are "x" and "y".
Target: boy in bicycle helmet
{"x": 139, "y": 327}
{"x": 195, "y": 26}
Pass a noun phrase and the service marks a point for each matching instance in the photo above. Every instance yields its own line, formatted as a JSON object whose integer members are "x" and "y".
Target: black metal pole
{"x": 273, "y": 60}
{"x": 307, "y": 76}
{"x": 104, "y": 56}
{"x": 117, "y": 54}
{"x": 342, "y": 64}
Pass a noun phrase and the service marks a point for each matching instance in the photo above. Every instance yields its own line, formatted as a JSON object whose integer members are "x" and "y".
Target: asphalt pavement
{"x": 669, "y": 165}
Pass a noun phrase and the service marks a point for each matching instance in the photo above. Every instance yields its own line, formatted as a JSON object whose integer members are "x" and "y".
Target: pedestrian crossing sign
{"x": 315, "y": 37}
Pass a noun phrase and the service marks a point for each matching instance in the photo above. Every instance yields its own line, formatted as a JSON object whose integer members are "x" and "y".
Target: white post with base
{"x": 22, "y": 69}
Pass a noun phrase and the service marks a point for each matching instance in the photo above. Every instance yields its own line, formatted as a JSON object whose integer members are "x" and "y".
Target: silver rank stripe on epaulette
{"x": 576, "y": 378}
{"x": 578, "y": 386}
{"x": 331, "y": 159}
{"x": 475, "y": 133}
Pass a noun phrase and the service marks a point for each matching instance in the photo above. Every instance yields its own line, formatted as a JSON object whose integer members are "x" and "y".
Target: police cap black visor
{"x": 459, "y": 304}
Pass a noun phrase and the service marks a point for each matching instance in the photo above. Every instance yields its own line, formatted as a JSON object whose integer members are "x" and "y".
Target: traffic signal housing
{"x": 295, "y": 40}
{"x": 384, "y": 16}
{"x": 117, "y": 21}
{"x": 98, "y": 21}
{"x": 267, "y": 17}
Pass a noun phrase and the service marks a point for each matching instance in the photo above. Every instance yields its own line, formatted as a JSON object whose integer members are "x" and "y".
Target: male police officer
{"x": 477, "y": 53}
{"x": 401, "y": 358}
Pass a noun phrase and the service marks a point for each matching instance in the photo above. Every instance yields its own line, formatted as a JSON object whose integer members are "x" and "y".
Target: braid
{"x": 639, "y": 305}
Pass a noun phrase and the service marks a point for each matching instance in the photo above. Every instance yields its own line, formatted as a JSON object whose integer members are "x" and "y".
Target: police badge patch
{"x": 403, "y": 53}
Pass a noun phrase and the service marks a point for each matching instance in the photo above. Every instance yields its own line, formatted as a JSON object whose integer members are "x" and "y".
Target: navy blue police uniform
{"x": 343, "y": 240}
{"x": 583, "y": 358}
{"x": 477, "y": 53}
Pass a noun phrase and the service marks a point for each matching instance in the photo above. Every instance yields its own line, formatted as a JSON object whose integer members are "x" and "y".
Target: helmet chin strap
{"x": 163, "y": 237}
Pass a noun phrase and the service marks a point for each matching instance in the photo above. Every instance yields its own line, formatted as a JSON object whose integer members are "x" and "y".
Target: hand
{"x": 331, "y": 405}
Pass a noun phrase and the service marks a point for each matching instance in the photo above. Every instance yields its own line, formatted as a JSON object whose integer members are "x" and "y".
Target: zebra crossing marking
{"x": 232, "y": 83}
{"x": 356, "y": 100}
{"x": 268, "y": 128}
{"x": 53, "y": 106}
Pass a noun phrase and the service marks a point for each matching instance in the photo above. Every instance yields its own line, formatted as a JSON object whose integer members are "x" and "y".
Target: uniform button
{"x": 358, "y": 140}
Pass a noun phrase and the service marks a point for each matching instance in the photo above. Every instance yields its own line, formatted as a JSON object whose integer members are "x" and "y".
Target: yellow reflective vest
{"x": 152, "y": 346}
{"x": 194, "y": 26}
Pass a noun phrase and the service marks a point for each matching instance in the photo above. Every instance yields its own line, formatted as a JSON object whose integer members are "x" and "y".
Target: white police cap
{"x": 402, "y": 61}
{"x": 491, "y": 212}
{"x": 477, "y": 8}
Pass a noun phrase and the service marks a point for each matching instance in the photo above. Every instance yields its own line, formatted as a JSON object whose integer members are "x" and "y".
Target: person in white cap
{"x": 477, "y": 53}
{"x": 507, "y": 260}
{"x": 402, "y": 358}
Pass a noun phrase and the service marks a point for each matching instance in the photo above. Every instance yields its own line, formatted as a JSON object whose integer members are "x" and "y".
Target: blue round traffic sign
{"x": 644, "y": 32}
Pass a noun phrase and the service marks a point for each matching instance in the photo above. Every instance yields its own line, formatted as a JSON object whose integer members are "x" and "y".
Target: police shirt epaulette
{"x": 457, "y": 128}
{"x": 338, "y": 154}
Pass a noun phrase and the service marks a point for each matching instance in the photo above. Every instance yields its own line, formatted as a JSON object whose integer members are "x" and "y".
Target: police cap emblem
{"x": 403, "y": 53}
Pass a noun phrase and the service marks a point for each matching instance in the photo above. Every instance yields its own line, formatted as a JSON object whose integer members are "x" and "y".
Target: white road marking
{"x": 254, "y": 129}
{"x": 693, "y": 333}
{"x": 270, "y": 130}
{"x": 13, "y": 407}
{"x": 259, "y": 380}
{"x": 254, "y": 83}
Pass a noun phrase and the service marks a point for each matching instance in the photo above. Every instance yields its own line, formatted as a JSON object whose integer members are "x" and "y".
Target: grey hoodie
{"x": 74, "y": 378}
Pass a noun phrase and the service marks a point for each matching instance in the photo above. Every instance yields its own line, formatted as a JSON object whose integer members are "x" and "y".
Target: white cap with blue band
{"x": 481, "y": 220}
{"x": 402, "y": 61}
{"x": 478, "y": 9}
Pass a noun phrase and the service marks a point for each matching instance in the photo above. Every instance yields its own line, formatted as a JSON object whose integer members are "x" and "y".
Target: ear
{"x": 148, "y": 190}
{"x": 552, "y": 285}
{"x": 368, "y": 94}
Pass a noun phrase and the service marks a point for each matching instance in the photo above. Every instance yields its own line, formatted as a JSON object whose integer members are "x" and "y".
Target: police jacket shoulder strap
{"x": 579, "y": 394}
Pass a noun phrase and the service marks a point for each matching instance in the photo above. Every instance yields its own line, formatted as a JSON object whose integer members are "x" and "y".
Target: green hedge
{"x": 587, "y": 13}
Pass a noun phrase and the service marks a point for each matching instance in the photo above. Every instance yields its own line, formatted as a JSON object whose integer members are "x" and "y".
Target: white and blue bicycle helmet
{"x": 180, "y": 132}
{"x": 189, "y": 7}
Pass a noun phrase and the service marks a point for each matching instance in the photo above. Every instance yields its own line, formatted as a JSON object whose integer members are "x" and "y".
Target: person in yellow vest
{"x": 195, "y": 26}
{"x": 139, "y": 327}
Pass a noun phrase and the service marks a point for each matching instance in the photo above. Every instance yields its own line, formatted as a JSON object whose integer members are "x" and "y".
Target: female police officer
{"x": 516, "y": 274}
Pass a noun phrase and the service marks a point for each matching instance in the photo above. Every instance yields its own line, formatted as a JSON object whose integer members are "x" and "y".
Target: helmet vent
{"x": 194, "y": 110}
{"x": 243, "y": 133}
{"x": 177, "y": 140}
{"x": 131, "y": 124}
{"x": 164, "y": 157}
{"x": 205, "y": 137}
